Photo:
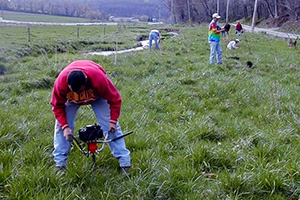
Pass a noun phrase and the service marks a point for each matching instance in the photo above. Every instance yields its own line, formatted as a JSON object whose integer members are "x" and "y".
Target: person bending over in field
{"x": 154, "y": 35}
{"x": 85, "y": 82}
{"x": 233, "y": 44}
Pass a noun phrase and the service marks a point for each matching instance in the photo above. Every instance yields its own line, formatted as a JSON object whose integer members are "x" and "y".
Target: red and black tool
{"x": 92, "y": 135}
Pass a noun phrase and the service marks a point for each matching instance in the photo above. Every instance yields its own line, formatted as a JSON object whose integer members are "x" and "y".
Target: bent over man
{"x": 154, "y": 35}
{"x": 233, "y": 44}
{"x": 84, "y": 82}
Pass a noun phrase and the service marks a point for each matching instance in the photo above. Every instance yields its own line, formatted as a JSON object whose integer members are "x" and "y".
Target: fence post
{"x": 104, "y": 29}
{"x": 78, "y": 32}
{"x": 28, "y": 34}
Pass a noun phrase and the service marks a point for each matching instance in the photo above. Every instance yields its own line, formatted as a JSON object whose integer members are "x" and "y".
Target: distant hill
{"x": 129, "y": 8}
{"x": 90, "y": 9}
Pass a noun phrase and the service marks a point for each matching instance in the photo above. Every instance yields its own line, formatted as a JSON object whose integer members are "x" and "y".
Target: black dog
{"x": 249, "y": 64}
{"x": 227, "y": 27}
{"x": 234, "y": 57}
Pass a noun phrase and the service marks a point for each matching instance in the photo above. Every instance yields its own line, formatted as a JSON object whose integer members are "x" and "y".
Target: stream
{"x": 145, "y": 45}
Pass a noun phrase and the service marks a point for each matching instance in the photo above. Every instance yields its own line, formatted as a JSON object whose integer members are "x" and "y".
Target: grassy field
{"x": 201, "y": 131}
{"x": 20, "y": 16}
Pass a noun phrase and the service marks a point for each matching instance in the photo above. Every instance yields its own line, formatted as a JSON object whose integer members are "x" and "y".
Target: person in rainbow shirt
{"x": 214, "y": 36}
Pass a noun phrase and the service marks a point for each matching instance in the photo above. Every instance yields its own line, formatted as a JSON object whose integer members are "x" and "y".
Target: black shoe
{"x": 60, "y": 170}
{"x": 125, "y": 170}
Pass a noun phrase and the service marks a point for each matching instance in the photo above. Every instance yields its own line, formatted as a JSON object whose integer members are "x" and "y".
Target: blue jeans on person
{"x": 102, "y": 112}
{"x": 239, "y": 32}
{"x": 223, "y": 33}
{"x": 215, "y": 49}
{"x": 153, "y": 36}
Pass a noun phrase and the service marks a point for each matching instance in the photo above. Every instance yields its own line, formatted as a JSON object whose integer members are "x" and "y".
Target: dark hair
{"x": 76, "y": 79}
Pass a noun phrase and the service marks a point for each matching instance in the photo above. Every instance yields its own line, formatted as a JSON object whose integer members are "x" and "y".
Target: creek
{"x": 145, "y": 45}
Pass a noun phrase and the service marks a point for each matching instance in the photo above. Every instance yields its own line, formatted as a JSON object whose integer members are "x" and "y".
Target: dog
{"x": 227, "y": 27}
{"x": 292, "y": 43}
{"x": 249, "y": 64}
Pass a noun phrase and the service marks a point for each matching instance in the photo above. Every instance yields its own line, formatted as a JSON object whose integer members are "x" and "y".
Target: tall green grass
{"x": 200, "y": 131}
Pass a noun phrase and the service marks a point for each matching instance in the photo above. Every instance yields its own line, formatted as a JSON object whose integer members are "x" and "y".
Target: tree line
{"x": 173, "y": 11}
{"x": 70, "y": 8}
{"x": 278, "y": 11}
{"x": 90, "y": 9}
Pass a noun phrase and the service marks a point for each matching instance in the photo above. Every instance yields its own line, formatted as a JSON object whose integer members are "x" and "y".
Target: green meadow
{"x": 201, "y": 131}
{"x": 22, "y": 16}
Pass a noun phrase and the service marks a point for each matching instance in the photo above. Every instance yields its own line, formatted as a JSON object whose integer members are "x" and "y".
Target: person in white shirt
{"x": 233, "y": 44}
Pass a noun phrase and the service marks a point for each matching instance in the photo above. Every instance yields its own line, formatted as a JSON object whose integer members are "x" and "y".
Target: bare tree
{"x": 189, "y": 10}
{"x": 227, "y": 11}
{"x": 275, "y": 9}
{"x": 271, "y": 13}
{"x": 254, "y": 15}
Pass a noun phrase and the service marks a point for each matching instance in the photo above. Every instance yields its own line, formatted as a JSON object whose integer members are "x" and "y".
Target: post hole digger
{"x": 92, "y": 135}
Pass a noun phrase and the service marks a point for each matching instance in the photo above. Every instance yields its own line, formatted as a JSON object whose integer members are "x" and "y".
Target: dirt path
{"x": 271, "y": 31}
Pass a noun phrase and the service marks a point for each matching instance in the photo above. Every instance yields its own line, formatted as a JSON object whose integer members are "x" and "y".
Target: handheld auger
{"x": 92, "y": 135}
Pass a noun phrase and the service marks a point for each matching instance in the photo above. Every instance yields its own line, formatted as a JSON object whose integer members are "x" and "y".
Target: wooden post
{"x": 104, "y": 29}
{"x": 78, "y": 32}
{"x": 28, "y": 34}
{"x": 116, "y": 51}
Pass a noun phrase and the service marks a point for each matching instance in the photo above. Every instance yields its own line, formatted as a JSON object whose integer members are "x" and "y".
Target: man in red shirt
{"x": 84, "y": 82}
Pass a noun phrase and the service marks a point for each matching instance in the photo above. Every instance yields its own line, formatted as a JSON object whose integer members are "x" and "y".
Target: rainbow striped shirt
{"x": 212, "y": 36}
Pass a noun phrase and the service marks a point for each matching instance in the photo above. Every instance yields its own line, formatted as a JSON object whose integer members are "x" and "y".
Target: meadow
{"x": 22, "y": 16}
{"x": 201, "y": 131}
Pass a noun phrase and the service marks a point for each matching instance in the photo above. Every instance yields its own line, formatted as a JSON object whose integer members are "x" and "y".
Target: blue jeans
{"x": 153, "y": 36}
{"x": 215, "y": 48}
{"x": 102, "y": 112}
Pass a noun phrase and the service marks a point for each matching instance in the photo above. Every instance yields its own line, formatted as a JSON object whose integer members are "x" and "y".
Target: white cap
{"x": 237, "y": 40}
{"x": 216, "y": 15}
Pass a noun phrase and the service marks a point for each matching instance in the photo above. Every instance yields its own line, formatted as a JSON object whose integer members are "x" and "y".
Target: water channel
{"x": 145, "y": 45}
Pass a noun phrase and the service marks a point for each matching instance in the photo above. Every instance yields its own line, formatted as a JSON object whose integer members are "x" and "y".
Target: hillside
{"x": 132, "y": 8}
{"x": 91, "y": 9}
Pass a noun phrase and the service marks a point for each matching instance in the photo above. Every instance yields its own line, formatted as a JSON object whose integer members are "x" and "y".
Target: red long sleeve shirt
{"x": 98, "y": 85}
{"x": 238, "y": 27}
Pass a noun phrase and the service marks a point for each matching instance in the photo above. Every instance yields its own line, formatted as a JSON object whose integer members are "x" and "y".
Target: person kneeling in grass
{"x": 233, "y": 44}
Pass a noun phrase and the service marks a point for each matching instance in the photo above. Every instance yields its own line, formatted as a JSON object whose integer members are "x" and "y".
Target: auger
{"x": 92, "y": 135}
